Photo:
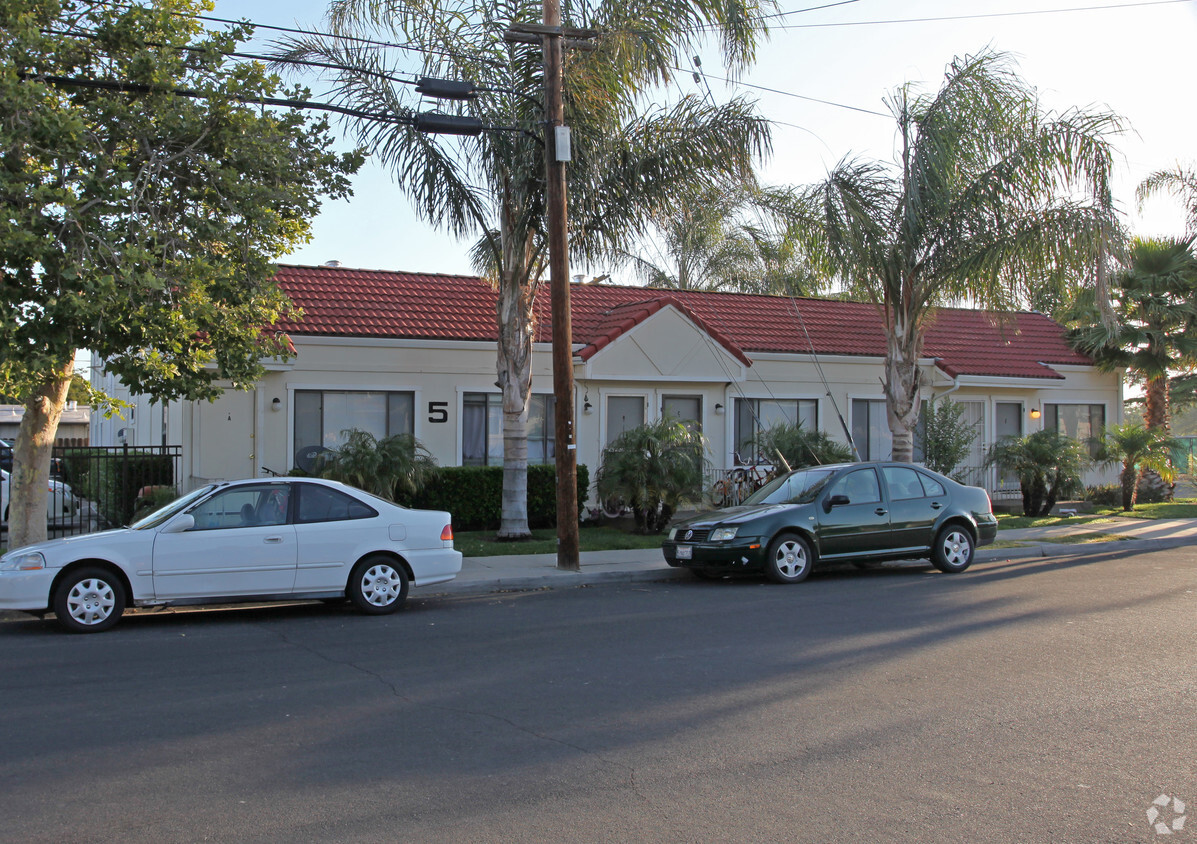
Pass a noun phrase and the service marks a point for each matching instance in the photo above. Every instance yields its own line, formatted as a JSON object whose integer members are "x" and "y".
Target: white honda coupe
{"x": 251, "y": 540}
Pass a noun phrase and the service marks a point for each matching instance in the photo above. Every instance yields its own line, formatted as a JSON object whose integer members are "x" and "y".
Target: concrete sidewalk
{"x": 518, "y": 572}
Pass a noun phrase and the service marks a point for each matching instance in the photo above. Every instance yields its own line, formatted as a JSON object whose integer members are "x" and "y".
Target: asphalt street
{"x": 1025, "y": 700}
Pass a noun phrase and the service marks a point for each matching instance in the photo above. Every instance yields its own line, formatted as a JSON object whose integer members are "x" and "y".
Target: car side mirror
{"x": 835, "y": 501}
{"x": 180, "y": 524}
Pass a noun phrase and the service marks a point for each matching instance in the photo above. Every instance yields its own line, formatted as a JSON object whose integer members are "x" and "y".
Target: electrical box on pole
{"x": 561, "y": 144}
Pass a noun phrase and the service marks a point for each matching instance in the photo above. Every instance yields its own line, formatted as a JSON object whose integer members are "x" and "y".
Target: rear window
{"x": 321, "y": 504}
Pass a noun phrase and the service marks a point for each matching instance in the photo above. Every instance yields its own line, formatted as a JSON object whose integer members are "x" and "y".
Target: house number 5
{"x": 438, "y": 411}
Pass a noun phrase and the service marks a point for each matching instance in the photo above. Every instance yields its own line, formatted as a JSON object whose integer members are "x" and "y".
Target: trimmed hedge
{"x": 474, "y": 495}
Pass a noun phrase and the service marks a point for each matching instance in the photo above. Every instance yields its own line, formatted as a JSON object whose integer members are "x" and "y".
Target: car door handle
{"x": 273, "y": 539}
{"x": 880, "y": 511}
{"x": 935, "y": 505}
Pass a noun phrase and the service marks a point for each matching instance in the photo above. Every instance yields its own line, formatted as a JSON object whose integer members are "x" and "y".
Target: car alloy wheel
{"x": 953, "y": 550}
{"x": 788, "y": 559}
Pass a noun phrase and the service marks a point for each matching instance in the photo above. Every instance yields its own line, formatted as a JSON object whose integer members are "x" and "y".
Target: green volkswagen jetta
{"x": 857, "y": 512}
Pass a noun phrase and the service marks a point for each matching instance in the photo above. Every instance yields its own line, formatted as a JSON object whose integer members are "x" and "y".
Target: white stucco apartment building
{"x": 391, "y": 352}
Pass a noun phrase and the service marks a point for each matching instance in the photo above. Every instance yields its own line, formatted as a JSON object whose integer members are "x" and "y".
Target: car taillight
{"x": 447, "y": 533}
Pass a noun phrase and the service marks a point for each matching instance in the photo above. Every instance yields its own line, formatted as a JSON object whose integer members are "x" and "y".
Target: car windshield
{"x": 798, "y": 487}
{"x": 178, "y": 505}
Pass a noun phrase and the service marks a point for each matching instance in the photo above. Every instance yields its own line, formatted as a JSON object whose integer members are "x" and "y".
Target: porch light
{"x": 1035, "y": 414}
{"x": 587, "y": 408}
{"x": 718, "y": 410}
{"x": 276, "y": 405}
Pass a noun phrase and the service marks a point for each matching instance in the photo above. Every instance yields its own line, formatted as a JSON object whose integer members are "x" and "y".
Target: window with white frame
{"x": 755, "y": 416}
{"x": 322, "y": 416}
{"x": 482, "y": 429}
{"x": 1083, "y": 422}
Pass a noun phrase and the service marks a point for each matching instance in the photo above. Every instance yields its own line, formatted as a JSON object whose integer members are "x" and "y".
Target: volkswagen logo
{"x": 689, "y": 534}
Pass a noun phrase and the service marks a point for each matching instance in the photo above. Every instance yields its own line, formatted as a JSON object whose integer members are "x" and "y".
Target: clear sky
{"x": 1133, "y": 57}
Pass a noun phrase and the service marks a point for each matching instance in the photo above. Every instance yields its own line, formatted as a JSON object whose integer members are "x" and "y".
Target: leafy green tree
{"x": 395, "y": 468}
{"x": 989, "y": 196}
{"x": 944, "y": 436}
{"x": 653, "y": 468}
{"x": 1139, "y": 450}
{"x": 146, "y": 190}
{"x": 628, "y": 158}
{"x": 1048, "y": 466}
{"x": 800, "y": 447}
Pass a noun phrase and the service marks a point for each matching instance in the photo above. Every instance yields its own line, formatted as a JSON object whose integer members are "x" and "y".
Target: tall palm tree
{"x": 1181, "y": 182}
{"x": 627, "y": 158}
{"x": 1155, "y": 330}
{"x": 989, "y": 196}
{"x": 722, "y": 237}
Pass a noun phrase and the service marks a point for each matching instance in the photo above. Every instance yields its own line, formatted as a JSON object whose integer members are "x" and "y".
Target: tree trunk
{"x": 902, "y": 385}
{"x": 1150, "y": 486}
{"x": 515, "y": 380}
{"x": 31, "y": 458}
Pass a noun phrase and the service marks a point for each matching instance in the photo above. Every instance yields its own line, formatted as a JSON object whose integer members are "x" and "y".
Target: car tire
{"x": 89, "y": 600}
{"x": 378, "y": 585}
{"x": 953, "y": 549}
{"x": 788, "y": 559}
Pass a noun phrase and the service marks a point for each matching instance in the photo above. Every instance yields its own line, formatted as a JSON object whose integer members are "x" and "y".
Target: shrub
{"x": 653, "y": 468}
{"x": 391, "y": 467}
{"x": 474, "y": 495}
{"x": 800, "y": 447}
{"x": 1048, "y": 466}
{"x": 944, "y": 436}
{"x": 1104, "y": 495}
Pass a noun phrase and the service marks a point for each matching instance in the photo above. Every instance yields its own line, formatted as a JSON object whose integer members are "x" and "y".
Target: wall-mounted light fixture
{"x": 276, "y": 405}
{"x": 1035, "y": 413}
{"x": 587, "y": 408}
{"x": 718, "y": 410}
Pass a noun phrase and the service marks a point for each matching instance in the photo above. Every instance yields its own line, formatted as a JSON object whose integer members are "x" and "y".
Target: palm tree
{"x": 722, "y": 237}
{"x": 799, "y": 447}
{"x": 395, "y": 468}
{"x": 653, "y": 468}
{"x": 989, "y": 197}
{"x": 627, "y": 159}
{"x": 1139, "y": 450}
{"x": 1181, "y": 182}
{"x": 1155, "y": 331}
{"x": 1048, "y": 465}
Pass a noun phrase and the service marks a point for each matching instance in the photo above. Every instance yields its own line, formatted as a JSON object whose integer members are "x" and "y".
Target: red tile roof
{"x": 343, "y": 302}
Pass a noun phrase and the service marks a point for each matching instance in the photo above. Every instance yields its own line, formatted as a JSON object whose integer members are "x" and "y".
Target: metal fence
{"x": 98, "y": 487}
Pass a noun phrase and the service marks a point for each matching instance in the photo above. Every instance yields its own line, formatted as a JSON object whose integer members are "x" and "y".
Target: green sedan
{"x": 854, "y": 512}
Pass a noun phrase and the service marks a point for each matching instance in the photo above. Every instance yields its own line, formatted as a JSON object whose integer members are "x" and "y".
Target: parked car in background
{"x": 61, "y": 506}
{"x": 237, "y": 541}
{"x": 858, "y": 512}
{"x": 6, "y": 452}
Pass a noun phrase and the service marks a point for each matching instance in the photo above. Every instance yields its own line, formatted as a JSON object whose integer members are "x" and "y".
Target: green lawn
{"x": 481, "y": 543}
{"x": 1184, "y": 508}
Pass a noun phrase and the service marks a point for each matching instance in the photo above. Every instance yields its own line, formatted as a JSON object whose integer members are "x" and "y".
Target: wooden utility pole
{"x": 563, "y": 356}
{"x": 553, "y": 40}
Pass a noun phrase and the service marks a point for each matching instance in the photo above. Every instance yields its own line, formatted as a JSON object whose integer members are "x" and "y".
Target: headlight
{"x": 18, "y": 561}
{"x": 723, "y": 534}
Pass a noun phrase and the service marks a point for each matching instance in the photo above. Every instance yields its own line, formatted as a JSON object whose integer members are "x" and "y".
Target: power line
{"x": 943, "y": 18}
{"x": 790, "y": 93}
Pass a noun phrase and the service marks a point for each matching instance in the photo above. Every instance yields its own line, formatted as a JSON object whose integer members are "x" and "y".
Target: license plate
{"x": 685, "y": 552}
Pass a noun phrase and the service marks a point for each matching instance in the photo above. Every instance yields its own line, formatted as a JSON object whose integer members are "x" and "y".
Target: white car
{"x": 61, "y": 505}
{"x": 245, "y": 540}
